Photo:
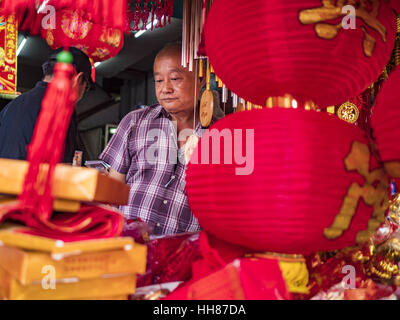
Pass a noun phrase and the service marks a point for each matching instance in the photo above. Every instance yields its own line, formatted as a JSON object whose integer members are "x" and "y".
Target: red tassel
{"x": 48, "y": 140}
{"x": 35, "y": 205}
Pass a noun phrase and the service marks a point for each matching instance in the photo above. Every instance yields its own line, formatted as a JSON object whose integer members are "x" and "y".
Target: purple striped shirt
{"x": 157, "y": 193}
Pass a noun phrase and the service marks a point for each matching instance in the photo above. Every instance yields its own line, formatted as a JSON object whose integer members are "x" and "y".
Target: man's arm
{"x": 116, "y": 175}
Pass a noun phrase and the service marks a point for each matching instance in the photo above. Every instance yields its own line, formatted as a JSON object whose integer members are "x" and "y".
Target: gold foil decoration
{"x": 348, "y": 112}
{"x": 329, "y": 11}
{"x": 293, "y": 267}
{"x": 112, "y": 37}
{"x": 358, "y": 160}
{"x": 394, "y": 209}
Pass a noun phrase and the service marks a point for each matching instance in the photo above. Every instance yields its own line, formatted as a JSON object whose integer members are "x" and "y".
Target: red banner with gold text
{"x": 8, "y": 54}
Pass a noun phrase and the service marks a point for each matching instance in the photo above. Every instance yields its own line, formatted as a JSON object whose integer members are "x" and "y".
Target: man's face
{"x": 175, "y": 85}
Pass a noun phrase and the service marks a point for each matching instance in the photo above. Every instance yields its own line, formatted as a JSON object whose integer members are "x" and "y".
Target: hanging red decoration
{"x": 72, "y": 29}
{"x": 272, "y": 48}
{"x": 155, "y": 12}
{"x": 108, "y": 13}
{"x": 385, "y": 123}
{"x": 287, "y": 181}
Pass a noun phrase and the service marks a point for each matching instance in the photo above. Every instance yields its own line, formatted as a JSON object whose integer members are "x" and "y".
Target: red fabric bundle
{"x": 170, "y": 259}
{"x": 222, "y": 274}
{"x": 109, "y": 13}
{"x": 279, "y": 180}
{"x": 385, "y": 123}
{"x": 299, "y": 47}
{"x": 35, "y": 205}
{"x": 73, "y": 29}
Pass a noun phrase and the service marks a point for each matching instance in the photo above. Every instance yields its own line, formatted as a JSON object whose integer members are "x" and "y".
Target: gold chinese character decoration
{"x": 374, "y": 192}
{"x": 348, "y": 112}
{"x": 331, "y": 10}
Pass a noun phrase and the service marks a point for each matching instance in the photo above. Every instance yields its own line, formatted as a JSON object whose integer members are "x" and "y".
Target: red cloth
{"x": 109, "y": 13}
{"x": 217, "y": 279}
{"x": 72, "y": 28}
{"x": 169, "y": 259}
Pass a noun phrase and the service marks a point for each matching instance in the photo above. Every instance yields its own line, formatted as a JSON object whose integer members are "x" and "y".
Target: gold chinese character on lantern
{"x": 374, "y": 192}
{"x": 112, "y": 37}
{"x": 329, "y": 11}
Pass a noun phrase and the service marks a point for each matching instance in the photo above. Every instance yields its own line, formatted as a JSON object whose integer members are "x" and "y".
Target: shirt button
{"x": 158, "y": 224}
{"x": 173, "y": 177}
{"x": 165, "y": 201}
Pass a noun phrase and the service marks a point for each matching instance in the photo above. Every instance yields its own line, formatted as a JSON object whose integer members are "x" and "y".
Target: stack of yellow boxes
{"x": 34, "y": 267}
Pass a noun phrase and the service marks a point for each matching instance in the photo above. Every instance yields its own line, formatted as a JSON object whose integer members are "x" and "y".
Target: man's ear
{"x": 77, "y": 79}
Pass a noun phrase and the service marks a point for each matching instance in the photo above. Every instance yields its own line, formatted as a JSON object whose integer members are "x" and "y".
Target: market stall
{"x": 296, "y": 189}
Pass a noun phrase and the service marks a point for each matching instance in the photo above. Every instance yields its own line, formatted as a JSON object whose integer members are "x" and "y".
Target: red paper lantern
{"x": 386, "y": 123}
{"x": 313, "y": 185}
{"x": 98, "y": 42}
{"x": 299, "y": 47}
{"x": 396, "y": 5}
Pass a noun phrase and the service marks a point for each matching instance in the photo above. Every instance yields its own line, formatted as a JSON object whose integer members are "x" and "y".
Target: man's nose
{"x": 167, "y": 87}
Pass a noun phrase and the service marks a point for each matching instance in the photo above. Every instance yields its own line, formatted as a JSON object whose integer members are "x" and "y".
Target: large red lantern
{"x": 396, "y": 5}
{"x": 72, "y": 29}
{"x": 286, "y": 181}
{"x": 386, "y": 123}
{"x": 299, "y": 47}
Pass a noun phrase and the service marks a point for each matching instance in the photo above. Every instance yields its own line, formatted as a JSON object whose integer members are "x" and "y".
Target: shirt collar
{"x": 158, "y": 111}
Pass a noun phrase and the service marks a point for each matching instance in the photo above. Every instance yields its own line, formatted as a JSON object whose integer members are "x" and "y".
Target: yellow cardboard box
{"x": 69, "y": 183}
{"x": 59, "y": 205}
{"x": 10, "y": 236}
{"x": 30, "y": 266}
{"x": 12, "y": 289}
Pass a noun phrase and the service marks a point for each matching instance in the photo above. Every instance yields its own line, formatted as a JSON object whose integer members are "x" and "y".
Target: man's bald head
{"x": 170, "y": 50}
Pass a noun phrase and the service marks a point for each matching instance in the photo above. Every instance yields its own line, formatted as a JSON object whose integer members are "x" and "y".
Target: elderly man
{"x": 146, "y": 151}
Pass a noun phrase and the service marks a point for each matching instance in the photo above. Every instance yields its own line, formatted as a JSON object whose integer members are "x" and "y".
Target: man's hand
{"x": 116, "y": 175}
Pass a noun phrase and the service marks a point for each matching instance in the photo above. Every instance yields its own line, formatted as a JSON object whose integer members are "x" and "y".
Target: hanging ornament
{"x": 348, "y": 112}
{"x": 303, "y": 51}
{"x": 207, "y": 102}
{"x": 137, "y": 16}
{"x": 98, "y": 42}
{"x": 145, "y": 15}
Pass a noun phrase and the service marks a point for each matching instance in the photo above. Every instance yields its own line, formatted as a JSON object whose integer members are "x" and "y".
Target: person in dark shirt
{"x": 18, "y": 118}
